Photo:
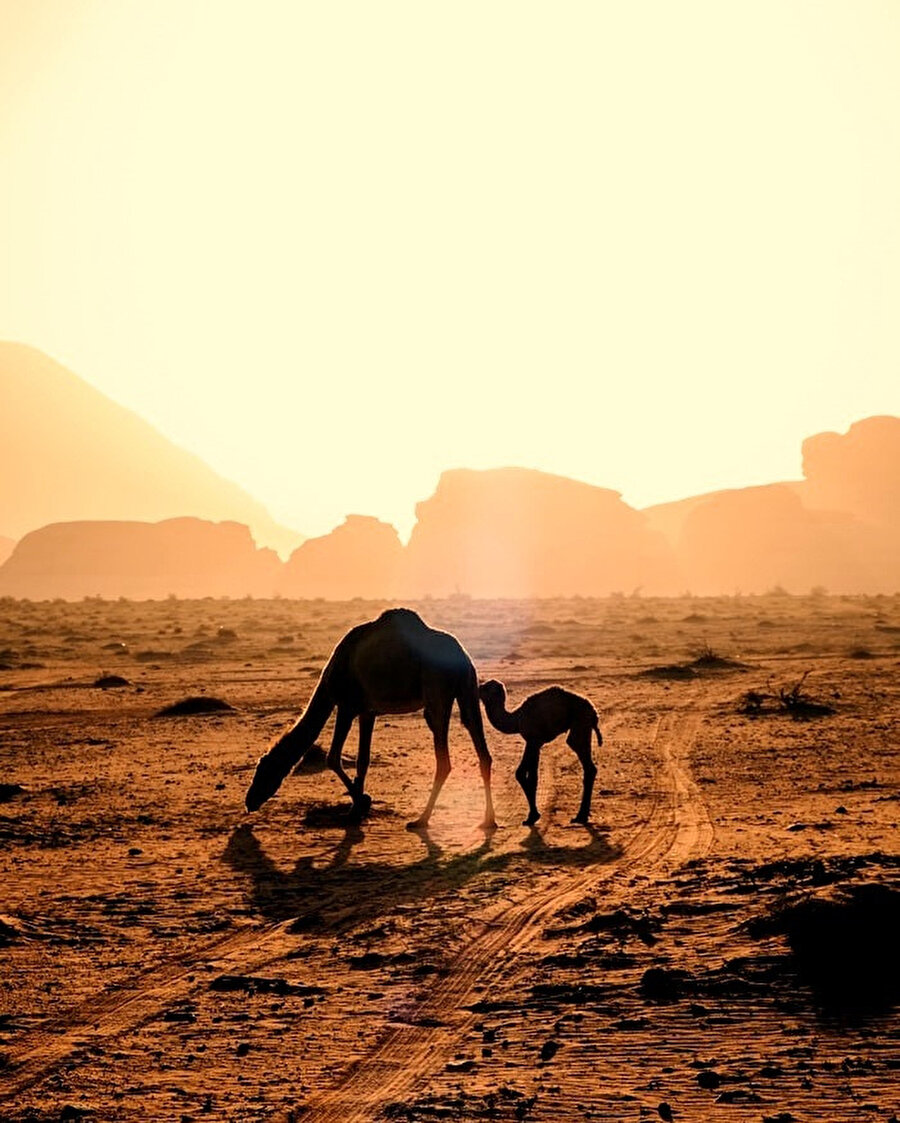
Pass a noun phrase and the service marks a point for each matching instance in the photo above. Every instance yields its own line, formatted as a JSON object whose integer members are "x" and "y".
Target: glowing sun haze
{"x": 337, "y": 248}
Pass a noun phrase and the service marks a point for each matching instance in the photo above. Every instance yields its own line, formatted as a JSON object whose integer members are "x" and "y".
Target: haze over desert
{"x": 449, "y": 561}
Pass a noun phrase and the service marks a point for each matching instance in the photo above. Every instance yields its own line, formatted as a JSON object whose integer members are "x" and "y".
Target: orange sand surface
{"x": 167, "y": 956}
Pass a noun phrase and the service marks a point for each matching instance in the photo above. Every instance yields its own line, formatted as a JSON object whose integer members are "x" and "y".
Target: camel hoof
{"x": 489, "y": 825}
{"x": 582, "y": 820}
{"x": 417, "y": 825}
{"x": 531, "y": 820}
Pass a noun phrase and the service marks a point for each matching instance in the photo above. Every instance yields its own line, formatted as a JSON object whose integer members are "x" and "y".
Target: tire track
{"x": 677, "y": 828}
{"x": 110, "y": 1014}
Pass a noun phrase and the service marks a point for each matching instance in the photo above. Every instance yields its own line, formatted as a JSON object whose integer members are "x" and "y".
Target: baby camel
{"x": 539, "y": 719}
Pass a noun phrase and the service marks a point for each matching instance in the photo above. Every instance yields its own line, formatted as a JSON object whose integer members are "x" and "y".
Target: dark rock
{"x": 549, "y": 1050}
{"x": 196, "y": 704}
{"x": 367, "y": 962}
{"x": 661, "y": 984}
{"x": 844, "y": 943}
{"x": 314, "y": 760}
{"x": 107, "y": 682}
{"x": 460, "y": 1066}
{"x": 739, "y": 1096}
{"x": 258, "y": 984}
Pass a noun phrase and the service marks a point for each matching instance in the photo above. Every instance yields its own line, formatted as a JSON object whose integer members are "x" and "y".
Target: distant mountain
{"x": 838, "y": 528}
{"x": 360, "y": 558}
{"x": 506, "y": 532}
{"x": 516, "y": 532}
{"x": 6, "y": 548}
{"x": 857, "y": 472}
{"x": 68, "y": 452}
{"x": 143, "y": 561}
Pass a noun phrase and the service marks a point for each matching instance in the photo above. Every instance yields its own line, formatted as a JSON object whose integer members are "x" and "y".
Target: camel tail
{"x": 597, "y": 729}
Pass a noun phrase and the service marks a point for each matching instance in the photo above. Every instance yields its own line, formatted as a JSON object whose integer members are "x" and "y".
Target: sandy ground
{"x": 166, "y": 956}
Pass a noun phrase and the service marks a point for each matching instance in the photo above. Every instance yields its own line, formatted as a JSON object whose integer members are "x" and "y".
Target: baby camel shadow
{"x": 341, "y": 895}
{"x": 597, "y": 852}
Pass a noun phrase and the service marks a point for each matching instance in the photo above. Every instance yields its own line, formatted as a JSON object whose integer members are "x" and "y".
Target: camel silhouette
{"x": 393, "y": 665}
{"x": 540, "y": 718}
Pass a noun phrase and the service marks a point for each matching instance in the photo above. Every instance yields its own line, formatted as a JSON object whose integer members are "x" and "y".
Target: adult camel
{"x": 393, "y": 665}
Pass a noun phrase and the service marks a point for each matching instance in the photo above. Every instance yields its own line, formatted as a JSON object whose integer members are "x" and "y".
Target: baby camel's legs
{"x": 579, "y": 740}
{"x": 527, "y": 775}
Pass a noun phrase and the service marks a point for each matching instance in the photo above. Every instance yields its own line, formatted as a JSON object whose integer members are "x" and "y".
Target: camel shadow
{"x": 342, "y": 894}
{"x": 597, "y": 851}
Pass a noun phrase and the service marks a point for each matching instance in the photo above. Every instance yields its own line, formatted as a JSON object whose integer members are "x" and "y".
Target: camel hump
{"x": 403, "y": 617}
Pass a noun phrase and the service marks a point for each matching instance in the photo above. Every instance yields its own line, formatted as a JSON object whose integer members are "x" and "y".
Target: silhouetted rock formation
{"x": 510, "y": 532}
{"x": 514, "y": 532}
{"x": 7, "y": 545}
{"x": 75, "y": 454}
{"x": 857, "y": 472}
{"x": 838, "y": 529}
{"x": 360, "y": 558}
{"x": 757, "y": 538}
{"x": 186, "y": 557}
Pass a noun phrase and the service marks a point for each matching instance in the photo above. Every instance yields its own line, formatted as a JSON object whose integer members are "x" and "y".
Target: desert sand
{"x": 167, "y": 956}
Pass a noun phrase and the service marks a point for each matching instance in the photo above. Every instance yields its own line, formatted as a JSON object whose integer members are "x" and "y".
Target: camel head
{"x": 266, "y": 781}
{"x": 492, "y": 692}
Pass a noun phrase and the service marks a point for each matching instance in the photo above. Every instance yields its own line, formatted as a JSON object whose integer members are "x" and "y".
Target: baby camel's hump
{"x": 553, "y": 711}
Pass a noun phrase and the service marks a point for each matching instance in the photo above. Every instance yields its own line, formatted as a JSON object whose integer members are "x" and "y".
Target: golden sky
{"x": 335, "y": 248}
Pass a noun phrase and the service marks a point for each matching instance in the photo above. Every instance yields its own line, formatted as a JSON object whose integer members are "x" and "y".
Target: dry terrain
{"x": 720, "y": 942}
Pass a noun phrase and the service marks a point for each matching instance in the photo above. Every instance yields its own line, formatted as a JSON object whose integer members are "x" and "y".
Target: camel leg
{"x": 439, "y": 724}
{"x": 580, "y": 741}
{"x": 470, "y": 716}
{"x": 366, "y": 727}
{"x": 527, "y": 775}
{"x": 342, "y": 722}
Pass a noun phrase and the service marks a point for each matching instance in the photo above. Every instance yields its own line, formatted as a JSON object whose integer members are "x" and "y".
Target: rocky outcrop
{"x": 185, "y": 557}
{"x": 857, "y": 472}
{"x": 838, "y": 528}
{"x": 76, "y": 455}
{"x": 759, "y": 538}
{"x": 360, "y": 558}
{"x": 511, "y": 532}
{"x": 514, "y": 532}
{"x": 7, "y": 545}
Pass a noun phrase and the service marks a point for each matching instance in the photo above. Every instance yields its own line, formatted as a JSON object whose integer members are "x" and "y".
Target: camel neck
{"x": 501, "y": 719}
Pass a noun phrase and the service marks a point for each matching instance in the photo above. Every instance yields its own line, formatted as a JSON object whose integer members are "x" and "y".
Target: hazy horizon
{"x": 60, "y": 400}
{"x": 335, "y": 252}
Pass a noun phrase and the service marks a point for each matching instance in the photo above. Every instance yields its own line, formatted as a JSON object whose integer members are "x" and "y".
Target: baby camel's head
{"x": 492, "y": 692}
